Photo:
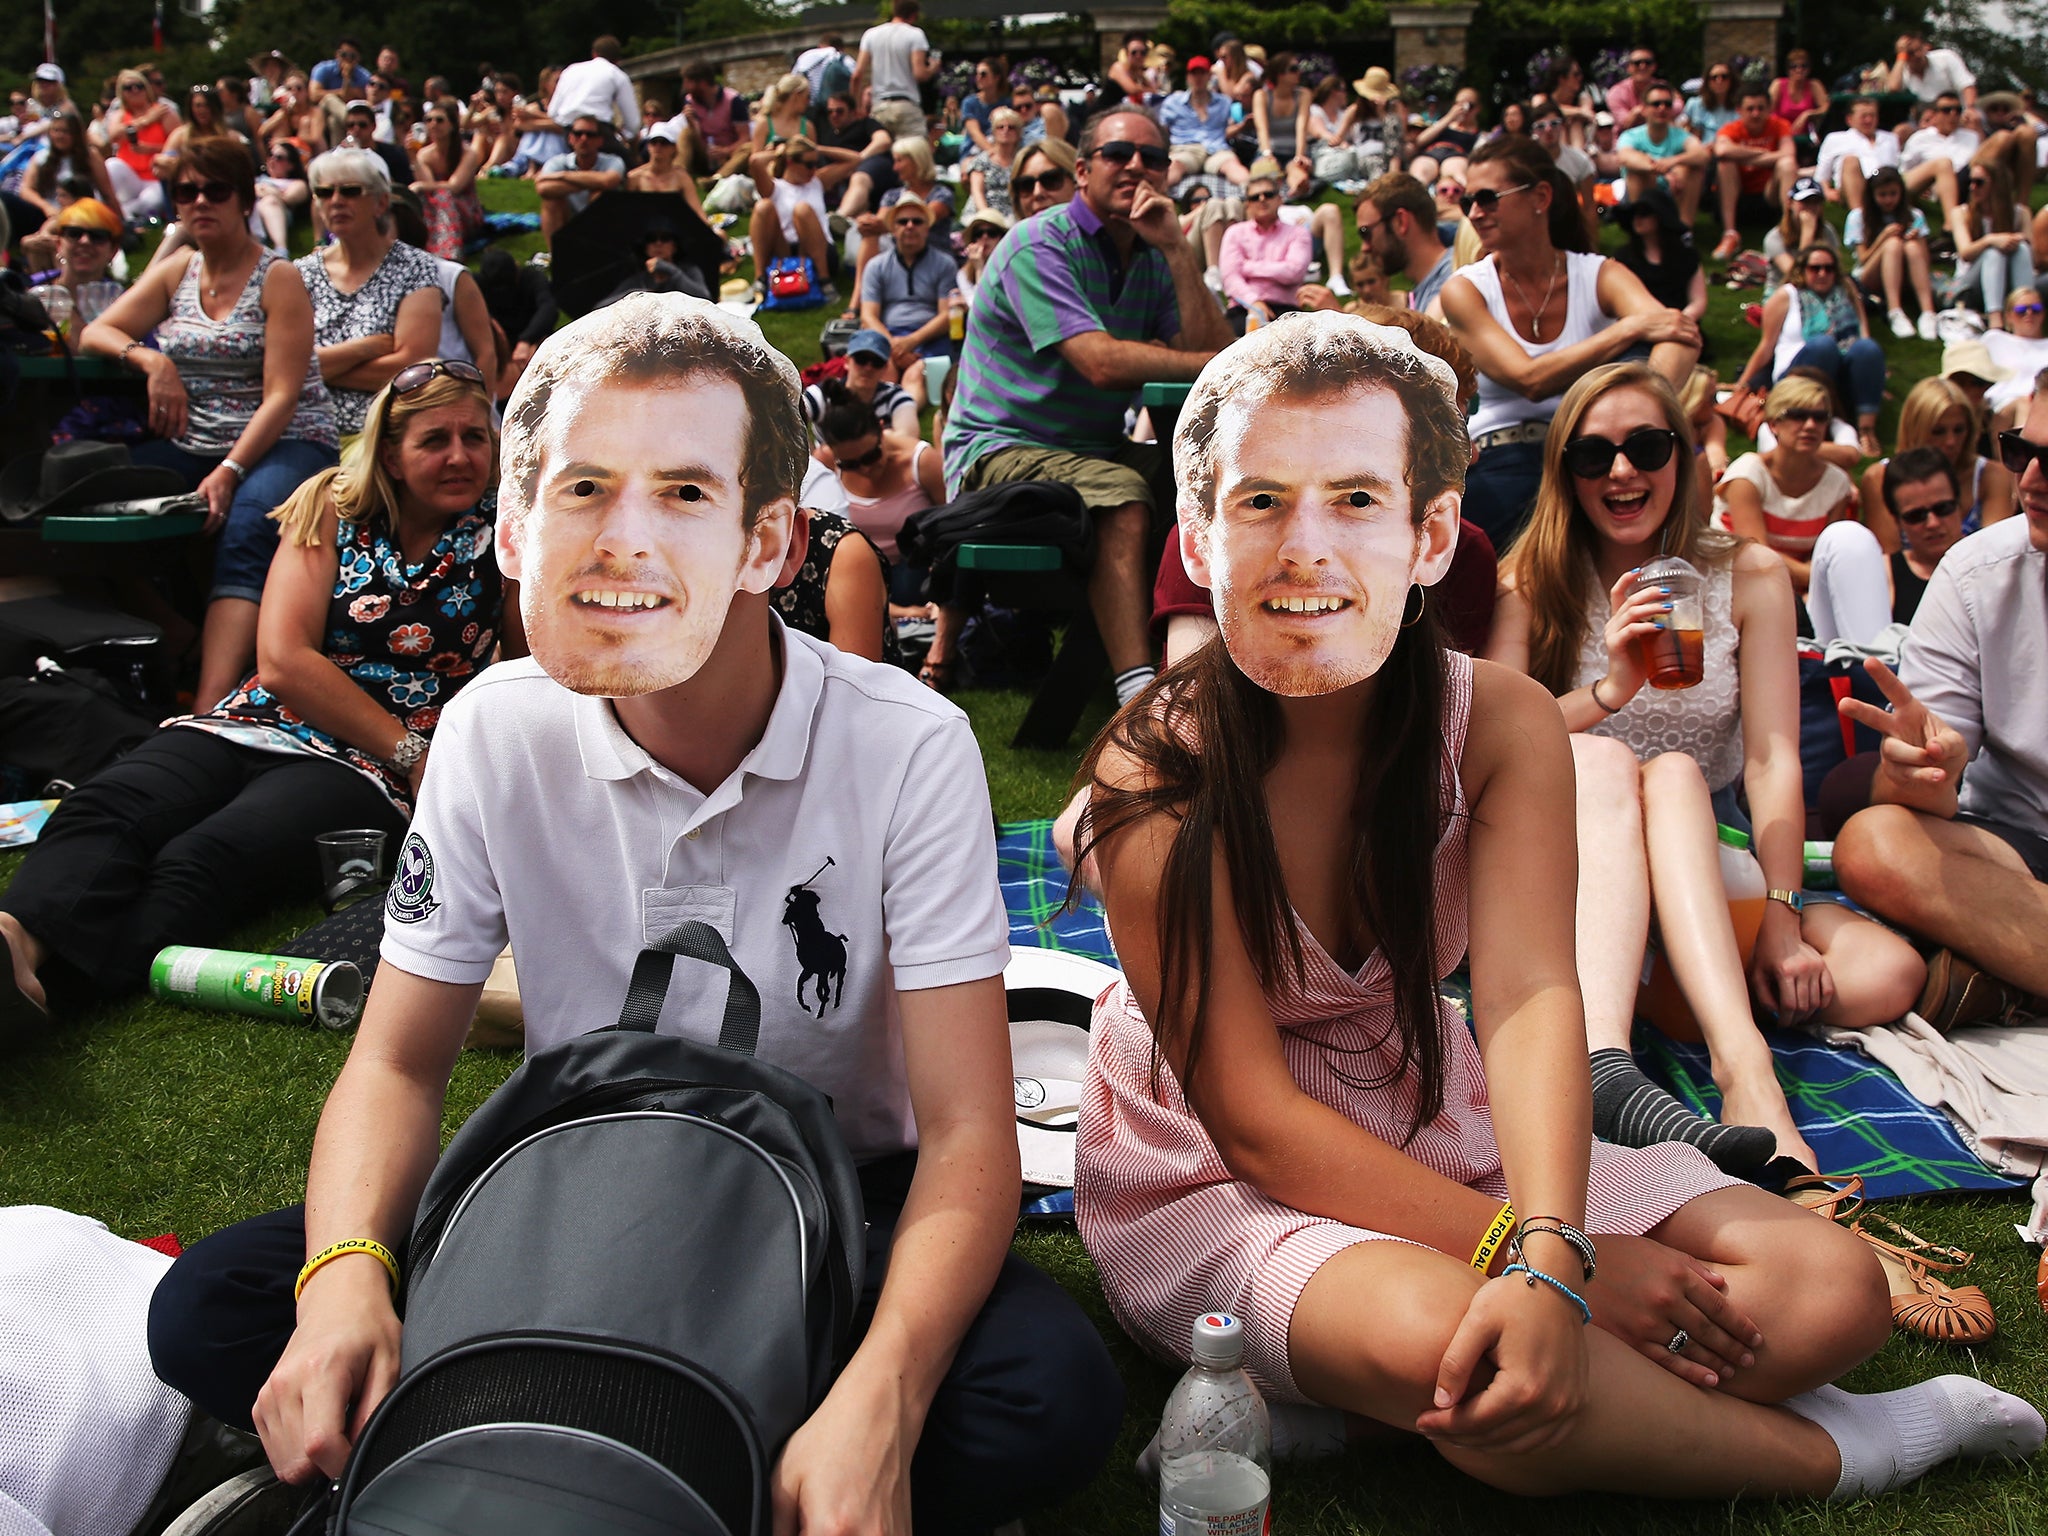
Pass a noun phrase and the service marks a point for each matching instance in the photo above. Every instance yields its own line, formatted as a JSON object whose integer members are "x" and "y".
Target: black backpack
{"x": 1019, "y": 512}
{"x": 632, "y": 1277}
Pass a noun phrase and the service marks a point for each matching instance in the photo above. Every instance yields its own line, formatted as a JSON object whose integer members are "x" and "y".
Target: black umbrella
{"x": 602, "y": 246}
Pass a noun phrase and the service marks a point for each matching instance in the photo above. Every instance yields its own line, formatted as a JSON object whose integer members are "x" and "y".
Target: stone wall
{"x": 1747, "y": 27}
{"x": 1429, "y": 34}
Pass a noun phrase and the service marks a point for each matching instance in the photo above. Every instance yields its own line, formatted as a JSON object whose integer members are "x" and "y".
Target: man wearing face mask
{"x": 669, "y": 753}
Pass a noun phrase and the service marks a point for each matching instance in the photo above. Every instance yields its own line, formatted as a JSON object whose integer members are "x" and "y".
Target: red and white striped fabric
{"x": 1174, "y": 1235}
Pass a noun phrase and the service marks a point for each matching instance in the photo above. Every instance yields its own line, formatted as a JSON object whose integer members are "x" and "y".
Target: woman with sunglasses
{"x": 789, "y": 217}
{"x": 66, "y": 156}
{"x": 1994, "y": 242}
{"x": 888, "y": 478}
{"x": 376, "y": 300}
{"x": 281, "y": 191}
{"x": 1938, "y": 413}
{"x": 1817, "y": 321}
{"x": 1657, "y": 770}
{"x": 383, "y": 602}
{"x": 1714, "y": 105}
{"x": 445, "y": 178}
{"x": 2021, "y": 349}
{"x": 236, "y": 403}
{"x": 1784, "y": 496}
{"x": 1536, "y": 312}
{"x": 88, "y": 237}
{"x": 203, "y": 120}
{"x": 136, "y": 128}
{"x": 1280, "y": 121}
{"x": 1799, "y": 98}
{"x": 1043, "y": 178}
{"x": 296, "y": 116}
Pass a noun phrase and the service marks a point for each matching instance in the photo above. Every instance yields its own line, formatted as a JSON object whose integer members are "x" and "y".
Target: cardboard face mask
{"x": 1313, "y": 548}
{"x": 635, "y": 543}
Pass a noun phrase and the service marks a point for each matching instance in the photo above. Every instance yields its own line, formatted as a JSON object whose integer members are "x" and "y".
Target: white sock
{"x": 1131, "y": 682}
{"x": 1338, "y": 286}
{"x": 1888, "y": 1439}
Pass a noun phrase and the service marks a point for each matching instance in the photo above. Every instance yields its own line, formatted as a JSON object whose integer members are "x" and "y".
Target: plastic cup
{"x": 352, "y": 865}
{"x": 1674, "y": 657}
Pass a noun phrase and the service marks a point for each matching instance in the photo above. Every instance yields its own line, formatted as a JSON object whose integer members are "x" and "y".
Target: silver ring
{"x": 1678, "y": 1341}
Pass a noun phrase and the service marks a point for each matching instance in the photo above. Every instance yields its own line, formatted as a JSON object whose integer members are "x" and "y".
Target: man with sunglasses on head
{"x": 570, "y": 180}
{"x": 1954, "y": 846}
{"x": 1079, "y": 307}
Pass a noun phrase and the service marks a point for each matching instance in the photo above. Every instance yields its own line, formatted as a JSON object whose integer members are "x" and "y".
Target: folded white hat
{"x": 1051, "y": 996}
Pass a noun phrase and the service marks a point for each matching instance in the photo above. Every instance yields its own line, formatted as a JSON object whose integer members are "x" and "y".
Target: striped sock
{"x": 1631, "y": 1111}
{"x": 1133, "y": 681}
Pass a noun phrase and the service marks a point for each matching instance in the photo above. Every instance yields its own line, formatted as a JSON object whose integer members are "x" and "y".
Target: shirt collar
{"x": 609, "y": 753}
{"x": 1084, "y": 217}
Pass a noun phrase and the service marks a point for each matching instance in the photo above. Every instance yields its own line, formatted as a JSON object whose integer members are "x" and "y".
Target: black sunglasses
{"x": 1262, "y": 197}
{"x": 1123, "y": 151}
{"x": 1806, "y": 415}
{"x": 1486, "y": 200}
{"x": 347, "y": 189}
{"x": 1822, "y": 266}
{"x": 219, "y": 193}
{"x": 1051, "y": 181}
{"x": 1648, "y": 448}
{"x": 92, "y": 236}
{"x": 1919, "y": 515}
{"x": 584, "y": 133}
{"x": 867, "y": 460}
{"x": 414, "y": 376}
{"x": 2016, "y": 453}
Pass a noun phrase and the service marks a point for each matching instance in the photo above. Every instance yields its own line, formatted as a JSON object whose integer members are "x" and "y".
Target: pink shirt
{"x": 1264, "y": 263}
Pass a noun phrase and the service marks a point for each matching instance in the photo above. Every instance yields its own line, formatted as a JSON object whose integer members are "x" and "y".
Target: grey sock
{"x": 1131, "y": 682}
{"x": 1631, "y": 1111}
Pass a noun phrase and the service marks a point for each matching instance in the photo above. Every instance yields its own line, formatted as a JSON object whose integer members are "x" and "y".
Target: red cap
{"x": 1199, "y": 61}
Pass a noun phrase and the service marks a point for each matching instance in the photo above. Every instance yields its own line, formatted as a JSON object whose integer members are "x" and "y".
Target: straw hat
{"x": 1376, "y": 85}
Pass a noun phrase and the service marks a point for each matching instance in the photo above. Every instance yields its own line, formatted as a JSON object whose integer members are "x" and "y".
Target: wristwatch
{"x": 1796, "y": 900}
{"x": 408, "y": 752}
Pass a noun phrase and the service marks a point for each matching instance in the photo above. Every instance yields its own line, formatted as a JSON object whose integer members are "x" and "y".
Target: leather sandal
{"x": 1922, "y": 1303}
{"x": 1831, "y": 1196}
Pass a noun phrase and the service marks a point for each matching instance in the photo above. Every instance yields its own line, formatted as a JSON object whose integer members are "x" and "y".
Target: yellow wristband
{"x": 1495, "y": 1235}
{"x": 369, "y": 1245}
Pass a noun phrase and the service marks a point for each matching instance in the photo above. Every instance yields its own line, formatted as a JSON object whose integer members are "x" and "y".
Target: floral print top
{"x": 409, "y": 637}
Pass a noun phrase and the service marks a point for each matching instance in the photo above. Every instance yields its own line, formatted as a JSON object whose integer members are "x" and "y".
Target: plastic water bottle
{"x": 1216, "y": 1442}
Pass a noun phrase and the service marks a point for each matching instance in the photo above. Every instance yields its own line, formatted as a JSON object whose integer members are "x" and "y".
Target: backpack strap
{"x": 656, "y": 966}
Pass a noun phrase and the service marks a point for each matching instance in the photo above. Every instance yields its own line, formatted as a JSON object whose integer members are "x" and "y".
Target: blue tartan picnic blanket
{"x": 1855, "y": 1114}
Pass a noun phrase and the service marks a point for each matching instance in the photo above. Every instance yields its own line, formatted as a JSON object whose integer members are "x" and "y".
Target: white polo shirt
{"x": 544, "y": 823}
{"x": 1873, "y": 154}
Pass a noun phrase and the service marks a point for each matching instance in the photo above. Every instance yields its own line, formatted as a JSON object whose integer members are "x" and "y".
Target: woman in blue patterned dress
{"x": 383, "y": 601}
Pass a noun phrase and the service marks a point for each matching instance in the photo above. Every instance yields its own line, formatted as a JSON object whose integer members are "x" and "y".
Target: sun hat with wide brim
{"x": 81, "y": 474}
{"x": 1051, "y": 999}
{"x": 1377, "y": 85}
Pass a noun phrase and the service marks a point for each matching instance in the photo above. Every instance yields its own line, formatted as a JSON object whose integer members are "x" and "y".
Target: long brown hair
{"x": 1530, "y": 164}
{"x": 1205, "y": 736}
{"x": 1548, "y": 563}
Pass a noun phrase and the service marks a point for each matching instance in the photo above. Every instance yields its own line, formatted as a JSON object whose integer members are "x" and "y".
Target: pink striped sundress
{"x": 1175, "y": 1235}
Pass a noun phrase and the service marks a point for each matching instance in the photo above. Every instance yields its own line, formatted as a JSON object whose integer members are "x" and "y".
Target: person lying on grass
{"x": 1297, "y": 832}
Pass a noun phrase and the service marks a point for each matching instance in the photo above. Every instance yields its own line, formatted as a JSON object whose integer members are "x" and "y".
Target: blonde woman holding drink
{"x": 1658, "y": 768}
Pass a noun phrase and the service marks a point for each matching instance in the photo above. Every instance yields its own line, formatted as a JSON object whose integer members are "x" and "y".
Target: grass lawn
{"x": 154, "y": 1118}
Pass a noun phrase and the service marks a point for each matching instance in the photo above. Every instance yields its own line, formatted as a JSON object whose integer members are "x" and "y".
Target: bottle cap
{"x": 1218, "y": 1340}
{"x": 1731, "y": 836}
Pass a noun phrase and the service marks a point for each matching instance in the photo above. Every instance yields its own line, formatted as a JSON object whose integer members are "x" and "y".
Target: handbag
{"x": 791, "y": 282}
{"x": 1744, "y": 407}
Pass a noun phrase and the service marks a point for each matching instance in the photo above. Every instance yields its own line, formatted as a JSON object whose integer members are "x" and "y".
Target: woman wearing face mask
{"x": 1936, "y": 413}
{"x": 236, "y": 402}
{"x": 1858, "y": 590}
{"x": 1297, "y": 830}
{"x": 1783, "y": 497}
{"x": 1657, "y": 770}
{"x": 1817, "y": 320}
{"x": 329, "y": 732}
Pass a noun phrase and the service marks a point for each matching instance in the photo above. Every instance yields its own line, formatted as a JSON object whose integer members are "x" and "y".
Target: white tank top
{"x": 1500, "y": 406}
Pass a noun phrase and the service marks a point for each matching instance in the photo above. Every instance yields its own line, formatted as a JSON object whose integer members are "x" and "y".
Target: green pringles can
{"x": 326, "y": 993}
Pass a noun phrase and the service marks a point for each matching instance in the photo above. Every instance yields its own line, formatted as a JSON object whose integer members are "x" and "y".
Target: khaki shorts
{"x": 1195, "y": 159}
{"x": 903, "y": 119}
{"x": 1106, "y": 482}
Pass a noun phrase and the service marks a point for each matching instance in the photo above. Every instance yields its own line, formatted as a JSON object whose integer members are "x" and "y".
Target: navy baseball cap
{"x": 869, "y": 344}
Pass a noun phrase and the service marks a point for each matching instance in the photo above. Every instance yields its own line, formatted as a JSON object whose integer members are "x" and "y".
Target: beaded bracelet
{"x": 1580, "y": 1244}
{"x": 1489, "y": 1243}
{"x": 369, "y": 1245}
{"x": 1533, "y": 1275}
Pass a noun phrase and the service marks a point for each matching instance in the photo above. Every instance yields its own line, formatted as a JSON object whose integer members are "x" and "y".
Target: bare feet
{"x": 25, "y": 954}
{"x": 1763, "y": 1103}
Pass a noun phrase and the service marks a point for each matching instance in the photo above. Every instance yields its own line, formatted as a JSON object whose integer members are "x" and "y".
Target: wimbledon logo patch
{"x": 412, "y": 890}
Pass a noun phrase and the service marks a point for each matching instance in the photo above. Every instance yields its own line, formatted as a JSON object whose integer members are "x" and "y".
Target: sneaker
{"x": 1901, "y": 326}
{"x": 1730, "y": 246}
{"x": 1339, "y": 287}
{"x": 1927, "y": 330}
